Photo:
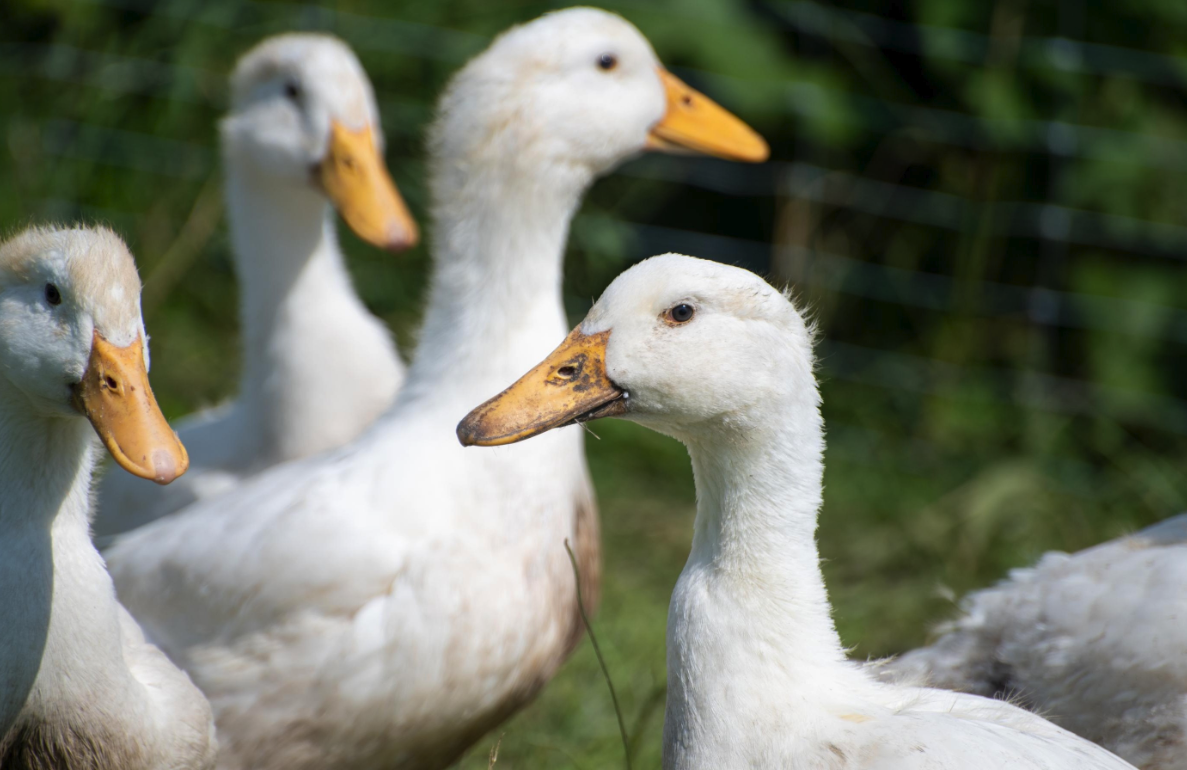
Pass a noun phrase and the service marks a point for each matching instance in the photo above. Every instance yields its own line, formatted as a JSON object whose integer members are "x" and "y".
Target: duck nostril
{"x": 568, "y": 372}
{"x": 111, "y": 382}
{"x": 687, "y": 100}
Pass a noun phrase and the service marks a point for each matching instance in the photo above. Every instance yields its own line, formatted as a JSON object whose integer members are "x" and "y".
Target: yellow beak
{"x": 693, "y": 122}
{"x": 568, "y": 387}
{"x": 115, "y": 396}
{"x": 354, "y": 176}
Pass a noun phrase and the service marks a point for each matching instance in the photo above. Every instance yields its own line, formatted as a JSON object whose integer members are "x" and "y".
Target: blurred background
{"x": 981, "y": 203}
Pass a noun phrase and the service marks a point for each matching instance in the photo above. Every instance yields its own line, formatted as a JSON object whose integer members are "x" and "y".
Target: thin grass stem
{"x": 626, "y": 744}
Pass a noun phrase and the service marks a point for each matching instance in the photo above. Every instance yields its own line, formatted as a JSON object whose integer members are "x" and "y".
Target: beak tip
{"x": 164, "y": 467}
{"x": 400, "y": 239}
{"x": 466, "y": 433}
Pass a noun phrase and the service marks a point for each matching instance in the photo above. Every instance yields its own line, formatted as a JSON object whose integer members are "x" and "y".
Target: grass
{"x": 593, "y": 641}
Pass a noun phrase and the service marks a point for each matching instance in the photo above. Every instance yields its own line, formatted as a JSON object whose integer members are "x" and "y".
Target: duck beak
{"x": 568, "y": 387}
{"x": 115, "y": 396}
{"x": 354, "y": 176}
{"x": 695, "y": 123}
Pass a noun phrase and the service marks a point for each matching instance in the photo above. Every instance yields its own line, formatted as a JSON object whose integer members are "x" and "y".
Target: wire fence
{"x": 833, "y": 207}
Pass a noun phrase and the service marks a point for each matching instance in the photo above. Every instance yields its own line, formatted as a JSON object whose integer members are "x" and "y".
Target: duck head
{"x": 688, "y": 347}
{"x": 73, "y": 342}
{"x": 303, "y": 113}
{"x": 579, "y": 89}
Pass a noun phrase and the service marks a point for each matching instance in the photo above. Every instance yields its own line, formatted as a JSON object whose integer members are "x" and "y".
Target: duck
{"x": 1094, "y": 639}
{"x": 388, "y": 603}
{"x": 718, "y": 359}
{"x": 302, "y": 139}
{"x": 80, "y": 687}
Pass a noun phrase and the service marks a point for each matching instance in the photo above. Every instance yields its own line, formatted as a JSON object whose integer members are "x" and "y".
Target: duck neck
{"x": 45, "y": 461}
{"x": 52, "y": 582}
{"x": 750, "y": 613}
{"x": 495, "y": 298}
{"x": 301, "y": 319}
{"x": 755, "y": 531}
{"x": 283, "y": 242}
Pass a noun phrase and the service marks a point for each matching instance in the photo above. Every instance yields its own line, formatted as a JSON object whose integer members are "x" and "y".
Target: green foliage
{"x": 927, "y": 181}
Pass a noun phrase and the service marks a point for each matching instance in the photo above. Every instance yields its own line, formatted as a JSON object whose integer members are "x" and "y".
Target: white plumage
{"x": 79, "y": 686}
{"x": 386, "y": 604}
{"x": 757, "y": 677}
{"x": 318, "y": 368}
{"x": 1095, "y": 640}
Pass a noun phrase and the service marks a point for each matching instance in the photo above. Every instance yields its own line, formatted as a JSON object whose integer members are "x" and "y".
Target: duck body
{"x": 1095, "y": 639}
{"x": 96, "y": 694}
{"x": 757, "y": 677}
{"x": 79, "y": 685}
{"x": 387, "y": 603}
{"x": 318, "y": 368}
{"x": 407, "y": 636}
{"x": 345, "y": 611}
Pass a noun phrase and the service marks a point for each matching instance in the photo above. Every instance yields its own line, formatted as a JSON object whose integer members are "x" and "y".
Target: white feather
{"x": 1095, "y": 640}
{"x": 318, "y": 368}
{"x": 79, "y": 686}
{"x": 757, "y": 677}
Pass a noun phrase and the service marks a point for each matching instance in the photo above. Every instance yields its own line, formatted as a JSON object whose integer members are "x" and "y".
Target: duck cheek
{"x": 38, "y": 362}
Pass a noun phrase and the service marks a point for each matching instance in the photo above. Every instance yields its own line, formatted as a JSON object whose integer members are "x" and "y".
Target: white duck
{"x": 387, "y": 604}
{"x": 79, "y": 686}
{"x": 1097, "y": 640}
{"x": 757, "y": 677}
{"x": 302, "y": 138}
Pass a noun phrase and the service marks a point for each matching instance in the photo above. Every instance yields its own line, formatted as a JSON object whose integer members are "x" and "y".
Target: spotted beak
{"x": 568, "y": 387}
{"x": 355, "y": 178}
{"x": 695, "y": 123}
{"x": 115, "y": 396}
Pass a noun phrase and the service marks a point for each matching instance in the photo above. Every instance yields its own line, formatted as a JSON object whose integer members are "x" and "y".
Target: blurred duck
{"x": 757, "y": 677}
{"x": 387, "y": 604}
{"x": 1095, "y": 639}
{"x": 79, "y": 686}
{"x": 302, "y": 139}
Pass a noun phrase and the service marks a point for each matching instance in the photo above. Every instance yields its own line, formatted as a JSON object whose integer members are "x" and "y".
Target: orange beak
{"x": 695, "y": 123}
{"x": 355, "y": 178}
{"x": 569, "y": 386}
{"x": 115, "y": 396}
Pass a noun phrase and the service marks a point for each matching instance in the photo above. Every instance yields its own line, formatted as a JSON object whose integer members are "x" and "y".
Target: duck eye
{"x": 681, "y": 313}
{"x": 292, "y": 91}
{"x": 607, "y": 61}
{"x": 52, "y": 295}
